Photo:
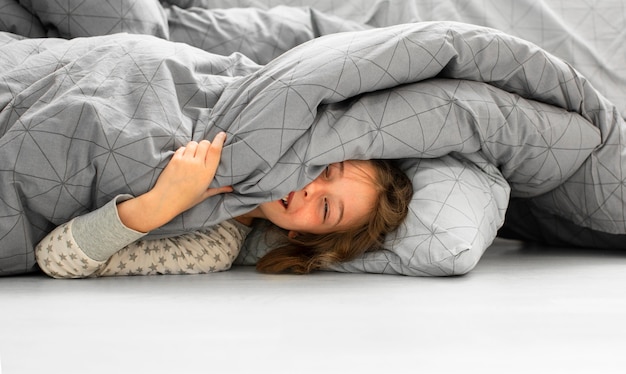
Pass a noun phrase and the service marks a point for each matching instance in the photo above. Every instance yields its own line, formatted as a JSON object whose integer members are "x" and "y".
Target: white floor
{"x": 522, "y": 310}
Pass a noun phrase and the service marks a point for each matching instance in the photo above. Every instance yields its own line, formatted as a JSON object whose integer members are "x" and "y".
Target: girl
{"x": 341, "y": 214}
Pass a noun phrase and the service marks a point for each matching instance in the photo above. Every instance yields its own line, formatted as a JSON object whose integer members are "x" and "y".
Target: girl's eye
{"x": 327, "y": 171}
{"x": 325, "y": 209}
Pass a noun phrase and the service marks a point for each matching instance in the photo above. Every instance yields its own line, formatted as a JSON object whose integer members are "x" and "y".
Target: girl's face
{"x": 340, "y": 198}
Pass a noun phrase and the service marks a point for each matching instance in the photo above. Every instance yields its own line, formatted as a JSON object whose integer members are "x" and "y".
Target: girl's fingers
{"x": 220, "y": 138}
{"x": 195, "y": 149}
{"x": 203, "y": 148}
{"x": 218, "y": 141}
{"x": 214, "y": 149}
{"x": 191, "y": 148}
{"x": 180, "y": 151}
{"x": 218, "y": 190}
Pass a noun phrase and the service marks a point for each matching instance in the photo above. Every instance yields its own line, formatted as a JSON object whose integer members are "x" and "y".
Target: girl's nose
{"x": 313, "y": 188}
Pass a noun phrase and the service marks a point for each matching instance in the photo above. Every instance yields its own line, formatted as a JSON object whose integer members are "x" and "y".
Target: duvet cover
{"x": 475, "y": 116}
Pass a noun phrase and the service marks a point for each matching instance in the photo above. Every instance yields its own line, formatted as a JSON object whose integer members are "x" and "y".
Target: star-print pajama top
{"x": 98, "y": 244}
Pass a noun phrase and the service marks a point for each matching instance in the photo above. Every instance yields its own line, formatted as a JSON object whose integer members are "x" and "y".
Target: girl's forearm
{"x": 146, "y": 212}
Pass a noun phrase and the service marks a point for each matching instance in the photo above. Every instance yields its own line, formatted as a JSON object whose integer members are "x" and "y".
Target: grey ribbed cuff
{"x": 101, "y": 233}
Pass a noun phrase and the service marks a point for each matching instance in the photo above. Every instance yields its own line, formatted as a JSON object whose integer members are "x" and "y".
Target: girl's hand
{"x": 183, "y": 184}
{"x": 185, "y": 180}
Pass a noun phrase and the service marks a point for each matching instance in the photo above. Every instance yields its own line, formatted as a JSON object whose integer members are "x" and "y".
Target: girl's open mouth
{"x": 285, "y": 200}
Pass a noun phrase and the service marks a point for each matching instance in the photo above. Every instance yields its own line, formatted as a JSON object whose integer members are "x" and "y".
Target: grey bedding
{"x": 486, "y": 115}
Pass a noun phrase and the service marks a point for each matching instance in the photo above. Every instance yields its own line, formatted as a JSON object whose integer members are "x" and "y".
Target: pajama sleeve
{"x": 98, "y": 244}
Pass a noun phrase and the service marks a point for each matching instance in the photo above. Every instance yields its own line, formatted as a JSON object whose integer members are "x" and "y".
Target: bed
{"x": 508, "y": 117}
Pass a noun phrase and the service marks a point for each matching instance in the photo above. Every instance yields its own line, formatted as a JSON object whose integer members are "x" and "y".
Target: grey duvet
{"x": 85, "y": 119}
